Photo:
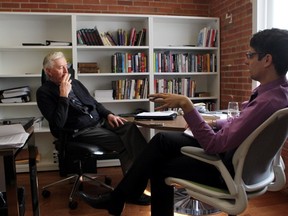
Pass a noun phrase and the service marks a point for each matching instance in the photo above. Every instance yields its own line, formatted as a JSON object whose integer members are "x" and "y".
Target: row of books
{"x": 130, "y": 89}
{"x": 183, "y": 86}
{"x": 128, "y": 62}
{"x": 15, "y": 95}
{"x": 184, "y": 62}
{"x": 91, "y": 36}
{"x": 207, "y": 37}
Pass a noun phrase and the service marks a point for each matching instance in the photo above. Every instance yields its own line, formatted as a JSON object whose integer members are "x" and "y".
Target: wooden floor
{"x": 270, "y": 204}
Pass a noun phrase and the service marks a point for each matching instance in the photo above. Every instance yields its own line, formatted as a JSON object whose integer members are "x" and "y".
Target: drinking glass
{"x": 233, "y": 110}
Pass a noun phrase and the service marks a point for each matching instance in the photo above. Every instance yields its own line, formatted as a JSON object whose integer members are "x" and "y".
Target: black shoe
{"x": 142, "y": 200}
{"x": 117, "y": 204}
{"x": 100, "y": 201}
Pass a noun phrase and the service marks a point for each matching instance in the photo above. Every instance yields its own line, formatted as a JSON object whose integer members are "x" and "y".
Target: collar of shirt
{"x": 268, "y": 86}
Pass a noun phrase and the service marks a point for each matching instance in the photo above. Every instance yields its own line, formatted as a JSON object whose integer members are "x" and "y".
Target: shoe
{"x": 100, "y": 201}
{"x": 142, "y": 200}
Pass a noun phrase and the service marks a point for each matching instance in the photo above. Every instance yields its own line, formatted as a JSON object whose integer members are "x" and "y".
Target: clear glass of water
{"x": 233, "y": 110}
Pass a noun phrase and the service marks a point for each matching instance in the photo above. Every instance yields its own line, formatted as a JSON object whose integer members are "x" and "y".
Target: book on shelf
{"x": 98, "y": 39}
{"x": 141, "y": 41}
{"x": 111, "y": 38}
{"x": 58, "y": 43}
{"x": 105, "y": 40}
{"x": 207, "y": 37}
{"x": 132, "y": 37}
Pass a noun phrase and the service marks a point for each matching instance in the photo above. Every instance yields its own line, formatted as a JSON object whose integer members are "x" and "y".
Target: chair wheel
{"x": 73, "y": 205}
{"x": 46, "y": 193}
{"x": 108, "y": 180}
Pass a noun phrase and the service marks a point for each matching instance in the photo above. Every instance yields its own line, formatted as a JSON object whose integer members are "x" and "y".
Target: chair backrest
{"x": 253, "y": 160}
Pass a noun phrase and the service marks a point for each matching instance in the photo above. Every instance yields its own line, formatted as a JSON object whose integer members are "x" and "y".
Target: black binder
{"x": 166, "y": 115}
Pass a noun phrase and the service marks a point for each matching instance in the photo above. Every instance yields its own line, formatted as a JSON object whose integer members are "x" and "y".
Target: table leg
{"x": 33, "y": 175}
{"x": 11, "y": 183}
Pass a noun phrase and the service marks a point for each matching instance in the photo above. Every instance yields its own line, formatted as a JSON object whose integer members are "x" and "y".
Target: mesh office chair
{"x": 257, "y": 163}
{"x": 76, "y": 160}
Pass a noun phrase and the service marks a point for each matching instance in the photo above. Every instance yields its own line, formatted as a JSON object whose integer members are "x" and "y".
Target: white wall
{"x": 268, "y": 14}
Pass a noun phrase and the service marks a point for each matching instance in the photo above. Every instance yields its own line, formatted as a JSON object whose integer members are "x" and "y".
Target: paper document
{"x": 188, "y": 132}
{"x": 12, "y": 136}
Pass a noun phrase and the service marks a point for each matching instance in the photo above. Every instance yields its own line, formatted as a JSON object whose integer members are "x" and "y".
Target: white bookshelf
{"x": 22, "y": 65}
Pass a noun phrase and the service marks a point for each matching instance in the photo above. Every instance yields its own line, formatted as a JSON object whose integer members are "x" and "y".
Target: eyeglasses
{"x": 250, "y": 54}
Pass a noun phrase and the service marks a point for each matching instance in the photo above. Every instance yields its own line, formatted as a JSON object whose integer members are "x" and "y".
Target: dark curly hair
{"x": 274, "y": 42}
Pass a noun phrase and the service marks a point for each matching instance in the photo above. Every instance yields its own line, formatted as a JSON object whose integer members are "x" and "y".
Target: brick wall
{"x": 235, "y": 81}
{"x": 235, "y": 36}
{"x": 168, "y": 7}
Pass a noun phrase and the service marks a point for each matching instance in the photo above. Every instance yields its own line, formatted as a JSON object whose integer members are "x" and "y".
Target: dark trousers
{"x": 162, "y": 158}
{"x": 126, "y": 139}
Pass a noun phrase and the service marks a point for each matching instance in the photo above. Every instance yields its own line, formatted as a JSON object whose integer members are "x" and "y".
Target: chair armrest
{"x": 199, "y": 154}
{"x": 215, "y": 160}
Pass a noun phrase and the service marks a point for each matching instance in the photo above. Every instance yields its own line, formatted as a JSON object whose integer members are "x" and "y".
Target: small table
{"x": 183, "y": 203}
{"x": 11, "y": 178}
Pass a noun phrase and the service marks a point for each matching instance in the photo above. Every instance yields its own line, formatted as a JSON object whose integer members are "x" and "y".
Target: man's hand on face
{"x": 65, "y": 85}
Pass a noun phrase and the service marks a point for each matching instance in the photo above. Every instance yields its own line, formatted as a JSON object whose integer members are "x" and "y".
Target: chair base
{"x": 184, "y": 204}
{"x": 78, "y": 180}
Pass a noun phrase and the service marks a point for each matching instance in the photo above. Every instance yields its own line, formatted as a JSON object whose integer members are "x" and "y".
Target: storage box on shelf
{"x": 136, "y": 38}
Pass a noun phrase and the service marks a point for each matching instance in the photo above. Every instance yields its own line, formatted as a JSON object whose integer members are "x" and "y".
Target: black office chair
{"x": 76, "y": 160}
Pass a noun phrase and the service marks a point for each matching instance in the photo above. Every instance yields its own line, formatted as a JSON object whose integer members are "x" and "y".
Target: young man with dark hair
{"x": 267, "y": 60}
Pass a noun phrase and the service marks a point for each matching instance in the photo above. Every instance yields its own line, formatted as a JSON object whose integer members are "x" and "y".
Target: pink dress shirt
{"x": 230, "y": 134}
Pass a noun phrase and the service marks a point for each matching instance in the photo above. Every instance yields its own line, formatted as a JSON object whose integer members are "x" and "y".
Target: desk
{"x": 11, "y": 178}
{"x": 183, "y": 203}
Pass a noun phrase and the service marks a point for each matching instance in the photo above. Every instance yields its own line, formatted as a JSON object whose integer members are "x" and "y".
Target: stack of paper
{"x": 12, "y": 136}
